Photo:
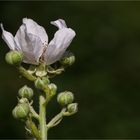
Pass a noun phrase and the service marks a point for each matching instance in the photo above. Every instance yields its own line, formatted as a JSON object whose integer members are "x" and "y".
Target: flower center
{"x": 45, "y": 45}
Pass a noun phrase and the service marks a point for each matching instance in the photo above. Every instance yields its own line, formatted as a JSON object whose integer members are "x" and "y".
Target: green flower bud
{"x": 45, "y": 80}
{"x": 25, "y": 92}
{"x": 39, "y": 84}
{"x": 53, "y": 88}
{"x": 14, "y": 58}
{"x": 21, "y": 111}
{"x": 65, "y": 98}
{"x": 68, "y": 59}
{"x": 72, "y": 108}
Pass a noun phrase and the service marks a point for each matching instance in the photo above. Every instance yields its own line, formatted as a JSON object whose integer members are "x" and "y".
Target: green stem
{"x": 56, "y": 120}
{"x": 34, "y": 114}
{"x": 32, "y": 127}
{"x": 26, "y": 74}
{"x": 42, "y": 119}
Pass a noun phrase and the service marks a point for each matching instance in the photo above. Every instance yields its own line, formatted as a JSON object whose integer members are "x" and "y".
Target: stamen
{"x": 45, "y": 45}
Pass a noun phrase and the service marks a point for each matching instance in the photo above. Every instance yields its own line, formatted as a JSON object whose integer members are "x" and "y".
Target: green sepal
{"x": 41, "y": 70}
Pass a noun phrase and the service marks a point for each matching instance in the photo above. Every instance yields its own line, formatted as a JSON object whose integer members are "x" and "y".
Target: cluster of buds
{"x": 65, "y": 99}
{"x": 44, "y": 84}
{"x": 22, "y": 110}
{"x": 40, "y": 75}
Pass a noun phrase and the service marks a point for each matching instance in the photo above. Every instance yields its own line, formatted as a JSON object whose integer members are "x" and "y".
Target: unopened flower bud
{"x": 45, "y": 80}
{"x": 68, "y": 59}
{"x": 39, "y": 83}
{"x": 53, "y": 88}
{"x": 25, "y": 92}
{"x": 65, "y": 98}
{"x": 21, "y": 111}
{"x": 72, "y": 108}
{"x": 14, "y": 58}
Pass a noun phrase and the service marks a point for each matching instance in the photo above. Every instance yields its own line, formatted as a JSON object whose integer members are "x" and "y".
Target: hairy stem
{"x": 34, "y": 114}
{"x": 32, "y": 127}
{"x": 42, "y": 119}
{"x": 26, "y": 74}
{"x": 56, "y": 120}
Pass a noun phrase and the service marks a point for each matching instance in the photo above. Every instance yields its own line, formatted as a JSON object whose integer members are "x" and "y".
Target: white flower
{"x": 32, "y": 40}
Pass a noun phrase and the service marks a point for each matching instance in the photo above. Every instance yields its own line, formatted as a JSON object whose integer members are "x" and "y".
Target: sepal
{"x": 41, "y": 70}
{"x": 32, "y": 69}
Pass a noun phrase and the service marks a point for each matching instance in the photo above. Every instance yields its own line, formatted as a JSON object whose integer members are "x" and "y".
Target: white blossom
{"x": 32, "y": 40}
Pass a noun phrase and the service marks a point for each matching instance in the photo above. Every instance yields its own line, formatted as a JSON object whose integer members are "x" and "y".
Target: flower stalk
{"x": 26, "y": 74}
{"x": 31, "y": 127}
{"x": 42, "y": 118}
{"x": 56, "y": 120}
{"x": 46, "y": 60}
{"x": 34, "y": 114}
{"x": 48, "y": 91}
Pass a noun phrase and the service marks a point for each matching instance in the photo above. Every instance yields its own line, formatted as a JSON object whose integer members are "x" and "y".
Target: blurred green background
{"x": 105, "y": 77}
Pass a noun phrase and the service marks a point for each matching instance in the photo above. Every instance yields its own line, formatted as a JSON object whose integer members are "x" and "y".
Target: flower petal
{"x": 60, "y": 23}
{"x": 35, "y": 29}
{"x": 58, "y": 44}
{"x": 8, "y": 38}
{"x": 31, "y": 45}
